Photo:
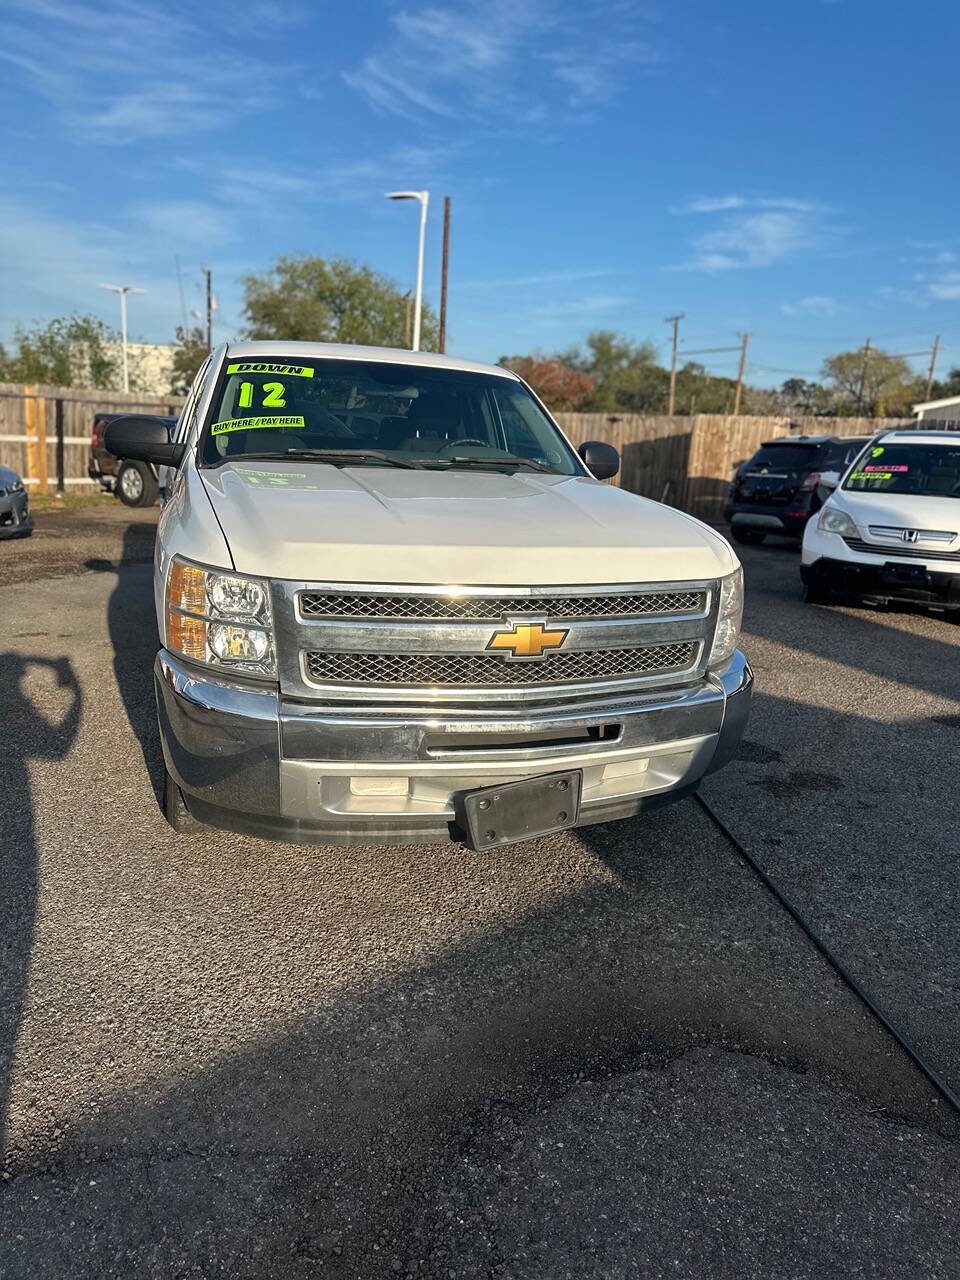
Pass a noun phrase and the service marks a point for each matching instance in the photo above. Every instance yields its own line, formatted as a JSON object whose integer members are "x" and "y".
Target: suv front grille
{"x": 912, "y": 552}
{"x": 479, "y": 669}
{"x": 482, "y": 608}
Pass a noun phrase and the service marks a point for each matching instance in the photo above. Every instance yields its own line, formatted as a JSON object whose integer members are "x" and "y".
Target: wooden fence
{"x": 687, "y": 462}
{"x": 45, "y": 431}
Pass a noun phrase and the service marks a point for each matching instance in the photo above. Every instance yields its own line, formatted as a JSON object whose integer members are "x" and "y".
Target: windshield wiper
{"x": 495, "y": 460}
{"x": 343, "y": 457}
{"x": 336, "y": 457}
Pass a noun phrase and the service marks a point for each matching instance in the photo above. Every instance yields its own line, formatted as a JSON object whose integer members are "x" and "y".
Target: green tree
{"x": 189, "y": 354}
{"x": 626, "y": 374}
{"x": 68, "y": 351}
{"x": 701, "y": 392}
{"x": 306, "y": 299}
{"x": 871, "y": 380}
{"x": 943, "y": 388}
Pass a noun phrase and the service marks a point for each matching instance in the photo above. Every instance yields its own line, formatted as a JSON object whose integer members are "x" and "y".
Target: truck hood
{"x": 316, "y": 522}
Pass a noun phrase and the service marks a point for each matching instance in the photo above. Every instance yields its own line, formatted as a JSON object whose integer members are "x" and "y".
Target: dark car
{"x": 134, "y": 483}
{"x": 15, "y": 521}
{"x": 779, "y": 489}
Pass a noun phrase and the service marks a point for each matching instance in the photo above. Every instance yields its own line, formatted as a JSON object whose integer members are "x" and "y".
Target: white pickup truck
{"x": 396, "y": 604}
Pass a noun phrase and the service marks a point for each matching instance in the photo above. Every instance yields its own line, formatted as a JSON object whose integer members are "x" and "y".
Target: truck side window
{"x": 194, "y": 396}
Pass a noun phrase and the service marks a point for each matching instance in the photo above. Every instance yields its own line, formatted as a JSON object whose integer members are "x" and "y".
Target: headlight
{"x": 221, "y": 619}
{"x": 833, "y": 520}
{"x": 729, "y": 617}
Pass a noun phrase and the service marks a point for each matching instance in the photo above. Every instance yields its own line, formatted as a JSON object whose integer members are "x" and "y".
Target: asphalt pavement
{"x": 608, "y": 1053}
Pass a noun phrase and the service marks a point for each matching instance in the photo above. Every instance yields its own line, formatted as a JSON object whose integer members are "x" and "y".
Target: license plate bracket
{"x": 906, "y": 575}
{"x": 495, "y": 816}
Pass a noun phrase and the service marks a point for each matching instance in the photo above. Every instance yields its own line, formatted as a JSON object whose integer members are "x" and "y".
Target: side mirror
{"x": 829, "y": 480}
{"x": 601, "y": 458}
{"x": 144, "y": 438}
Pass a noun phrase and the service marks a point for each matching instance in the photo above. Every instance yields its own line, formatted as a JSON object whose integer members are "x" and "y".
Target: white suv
{"x": 891, "y": 529}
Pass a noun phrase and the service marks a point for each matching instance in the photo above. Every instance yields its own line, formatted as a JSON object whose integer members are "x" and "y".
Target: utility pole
{"x": 443, "y": 274}
{"x": 406, "y": 323}
{"x": 863, "y": 376}
{"x": 743, "y": 365}
{"x": 933, "y": 363}
{"x": 675, "y": 321}
{"x": 208, "y": 273}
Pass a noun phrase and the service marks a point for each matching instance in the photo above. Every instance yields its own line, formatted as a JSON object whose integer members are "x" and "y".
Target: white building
{"x": 947, "y": 410}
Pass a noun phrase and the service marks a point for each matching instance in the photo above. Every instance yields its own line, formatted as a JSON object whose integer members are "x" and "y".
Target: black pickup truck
{"x": 134, "y": 483}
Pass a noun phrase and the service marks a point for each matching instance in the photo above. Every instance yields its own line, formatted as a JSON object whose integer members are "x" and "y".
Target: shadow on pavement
{"x": 323, "y": 1143}
{"x": 29, "y": 735}
{"x": 132, "y": 624}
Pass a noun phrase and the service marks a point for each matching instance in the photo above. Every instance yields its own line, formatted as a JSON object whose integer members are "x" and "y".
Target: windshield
{"x": 374, "y": 413}
{"x": 784, "y": 457}
{"x": 931, "y": 469}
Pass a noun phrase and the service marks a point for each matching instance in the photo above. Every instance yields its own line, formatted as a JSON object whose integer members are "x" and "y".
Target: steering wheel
{"x": 455, "y": 444}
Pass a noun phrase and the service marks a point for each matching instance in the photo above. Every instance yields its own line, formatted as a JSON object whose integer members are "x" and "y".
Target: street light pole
{"x": 123, "y": 290}
{"x": 424, "y": 198}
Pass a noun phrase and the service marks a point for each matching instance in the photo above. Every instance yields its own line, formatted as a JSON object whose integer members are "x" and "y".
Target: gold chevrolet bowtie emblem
{"x": 526, "y": 640}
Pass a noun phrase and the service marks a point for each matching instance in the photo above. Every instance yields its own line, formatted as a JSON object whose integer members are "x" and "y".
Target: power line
{"x": 705, "y": 351}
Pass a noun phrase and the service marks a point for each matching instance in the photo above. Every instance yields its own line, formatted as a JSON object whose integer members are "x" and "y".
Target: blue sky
{"x": 784, "y": 167}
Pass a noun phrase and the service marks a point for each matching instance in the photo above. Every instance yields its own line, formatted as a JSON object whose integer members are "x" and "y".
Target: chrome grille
{"x": 897, "y": 531}
{"x": 912, "y": 552}
{"x": 478, "y": 669}
{"x": 484, "y": 608}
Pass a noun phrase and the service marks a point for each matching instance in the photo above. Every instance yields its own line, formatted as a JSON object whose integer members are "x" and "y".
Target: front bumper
{"x": 828, "y": 563}
{"x": 910, "y": 583}
{"x": 248, "y": 759}
{"x": 767, "y": 519}
{"x": 15, "y": 518}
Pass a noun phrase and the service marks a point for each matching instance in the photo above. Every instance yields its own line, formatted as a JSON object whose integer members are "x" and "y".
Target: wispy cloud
{"x": 939, "y": 279}
{"x": 720, "y": 204}
{"x": 502, "y": 59}
{"x": 543, "y": 278}
{"x": 815, "y": 304}
{"x": 122, "y": 71}
{"x": 755, "y": 232}
{"x": 592, "y": 305}
{"x": 945, "y": 288}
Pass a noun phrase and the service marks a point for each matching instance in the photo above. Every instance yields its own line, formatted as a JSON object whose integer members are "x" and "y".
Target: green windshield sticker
{"x": 289, "y": 423}
{"x": 871, "y": 475}
{"x": 875, "y": 453}
{"x": 257, "y": 366}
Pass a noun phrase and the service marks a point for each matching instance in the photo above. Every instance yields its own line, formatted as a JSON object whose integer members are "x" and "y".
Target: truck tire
{"x": 136, "y": 484}
{"x": 750, "y": 537}
{"x": 175, "y": 810}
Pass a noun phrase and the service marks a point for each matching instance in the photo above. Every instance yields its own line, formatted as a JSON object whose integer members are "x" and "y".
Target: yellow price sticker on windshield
{"x": 288, "y": 423}
{"x": 259, "y": 366}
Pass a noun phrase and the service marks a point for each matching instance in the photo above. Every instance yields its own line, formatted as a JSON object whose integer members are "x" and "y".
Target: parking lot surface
{"x": 607, "y": 1053}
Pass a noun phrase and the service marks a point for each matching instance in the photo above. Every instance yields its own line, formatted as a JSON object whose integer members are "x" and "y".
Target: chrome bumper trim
{"x": 248, "y": 759}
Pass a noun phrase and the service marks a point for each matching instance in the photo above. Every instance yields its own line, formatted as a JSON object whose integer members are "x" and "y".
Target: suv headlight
{"x": 221, "y": 619}
{"x": 833, "y": 520}
{"x": 729, "y": 618}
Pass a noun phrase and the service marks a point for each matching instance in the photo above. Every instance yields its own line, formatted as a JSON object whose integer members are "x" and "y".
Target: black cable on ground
{"x": 916, "y": 1058}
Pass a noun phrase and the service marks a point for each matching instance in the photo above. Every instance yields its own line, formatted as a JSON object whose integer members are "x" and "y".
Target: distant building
{"x": 947, "y": 410}
{"x": 151, "y": 365}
